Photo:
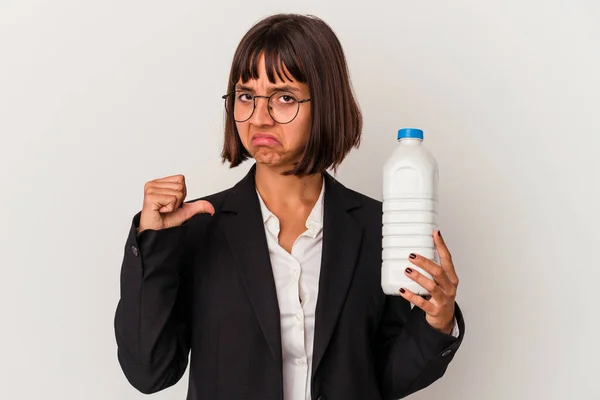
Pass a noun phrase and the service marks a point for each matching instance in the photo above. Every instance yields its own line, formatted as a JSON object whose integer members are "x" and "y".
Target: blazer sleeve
{"x": 152, "y": 324}
{"x": 410, "y": 353}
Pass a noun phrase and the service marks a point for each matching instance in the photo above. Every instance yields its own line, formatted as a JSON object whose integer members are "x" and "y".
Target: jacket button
{"x": 135, "y": 251}
{"x": 445, "y": 353}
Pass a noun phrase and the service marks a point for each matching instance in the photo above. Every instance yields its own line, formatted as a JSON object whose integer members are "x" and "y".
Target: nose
{"x": 261, "y": 113}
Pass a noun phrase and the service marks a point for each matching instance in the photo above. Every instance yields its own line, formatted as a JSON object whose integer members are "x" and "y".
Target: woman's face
{"x": 269, "y": 142}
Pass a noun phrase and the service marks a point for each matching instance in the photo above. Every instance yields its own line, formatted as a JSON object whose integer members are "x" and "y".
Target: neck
{"x": 279, "y": 190}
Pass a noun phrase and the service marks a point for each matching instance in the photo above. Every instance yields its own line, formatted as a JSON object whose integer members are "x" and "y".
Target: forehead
{"x": 259, "y": 72}
{"x": 282, "y": 79}
{"x": 250, "y": 87}
{"x": 268, "y": 67}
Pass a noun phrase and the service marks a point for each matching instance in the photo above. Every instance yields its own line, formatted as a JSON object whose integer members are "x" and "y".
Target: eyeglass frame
{"x": 254, "y": 97}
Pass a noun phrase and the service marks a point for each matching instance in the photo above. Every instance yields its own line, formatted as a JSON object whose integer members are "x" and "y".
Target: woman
{"x": 274, "y": 284}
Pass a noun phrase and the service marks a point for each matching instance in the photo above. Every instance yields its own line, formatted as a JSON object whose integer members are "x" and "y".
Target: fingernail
{"x": 402, "y": 290}
{"x": 440, "y": 233}
{"x": 413, "y": 255}
{"x": 408, "y": 270}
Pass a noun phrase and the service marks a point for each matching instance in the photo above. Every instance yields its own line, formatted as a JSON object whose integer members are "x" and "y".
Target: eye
{"x": 286, "y": 98}
{"x": 244, "y": 96}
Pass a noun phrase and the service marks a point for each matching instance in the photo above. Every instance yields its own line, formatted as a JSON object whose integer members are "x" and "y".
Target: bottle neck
{"x": 410, "y": 141}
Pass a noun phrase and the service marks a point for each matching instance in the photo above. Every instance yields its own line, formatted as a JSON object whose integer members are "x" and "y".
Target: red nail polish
{"x": 408, "y": 270}
{"x": 439, "y": 233}
{"x": 402, "y": 290}
{"x": 413, "y": 255}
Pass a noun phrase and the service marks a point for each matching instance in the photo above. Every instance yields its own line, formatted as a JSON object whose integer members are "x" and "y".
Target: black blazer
{"x": 207, "y": 286}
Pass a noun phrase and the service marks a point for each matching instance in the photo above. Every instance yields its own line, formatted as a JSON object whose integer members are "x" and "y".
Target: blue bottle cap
{"x": 410, "y": 133}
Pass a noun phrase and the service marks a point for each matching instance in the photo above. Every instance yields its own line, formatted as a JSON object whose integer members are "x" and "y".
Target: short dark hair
{"x": 312, "y": 53}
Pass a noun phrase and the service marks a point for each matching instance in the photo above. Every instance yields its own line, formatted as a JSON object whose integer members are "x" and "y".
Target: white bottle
{"x": 410, "y": 194}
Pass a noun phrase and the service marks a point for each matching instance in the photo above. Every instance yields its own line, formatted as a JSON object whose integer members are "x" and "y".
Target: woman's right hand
{"x": 164, "y": 205}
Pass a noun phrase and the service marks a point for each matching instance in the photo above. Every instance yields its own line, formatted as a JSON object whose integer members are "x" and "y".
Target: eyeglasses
{"x": 283, "y": 107}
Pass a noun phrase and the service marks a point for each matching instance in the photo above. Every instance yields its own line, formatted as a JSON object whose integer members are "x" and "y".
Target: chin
{"x": 264, "y": 156}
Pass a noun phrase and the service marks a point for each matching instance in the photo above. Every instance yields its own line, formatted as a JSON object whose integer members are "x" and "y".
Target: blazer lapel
{"x": 245, "y": 233}
{"x": 342, "y": 237}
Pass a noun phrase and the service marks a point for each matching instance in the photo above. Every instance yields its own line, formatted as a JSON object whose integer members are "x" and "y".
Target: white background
{"x": 98, "y": 97}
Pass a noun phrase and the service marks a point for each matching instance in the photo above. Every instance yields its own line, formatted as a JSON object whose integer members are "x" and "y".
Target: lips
{"x": 259, "y": 139}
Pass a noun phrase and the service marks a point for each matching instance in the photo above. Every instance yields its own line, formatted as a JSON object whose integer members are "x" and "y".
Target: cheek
{"x": 242, "y": 129}
{"x": 302, "y": 129}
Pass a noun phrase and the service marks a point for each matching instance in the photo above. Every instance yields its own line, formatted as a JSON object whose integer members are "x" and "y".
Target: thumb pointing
{"x": 198, "y": 207}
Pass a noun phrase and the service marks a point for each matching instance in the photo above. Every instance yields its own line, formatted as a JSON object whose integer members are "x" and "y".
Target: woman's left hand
{"x": 439, "y": 308}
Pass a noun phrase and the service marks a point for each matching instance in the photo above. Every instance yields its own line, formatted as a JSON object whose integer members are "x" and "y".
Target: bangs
{"x": 280, "y": 54}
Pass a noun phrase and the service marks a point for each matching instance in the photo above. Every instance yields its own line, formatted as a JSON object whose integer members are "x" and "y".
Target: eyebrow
{"x": 286, "y": 88}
